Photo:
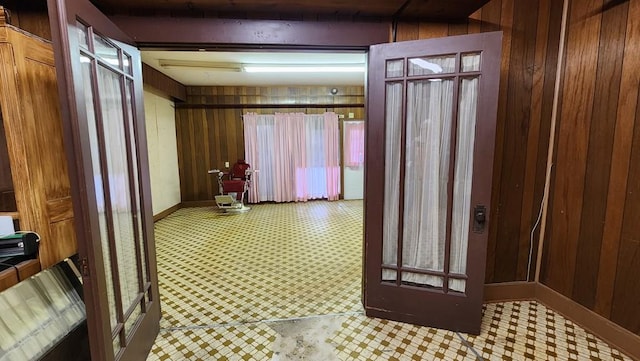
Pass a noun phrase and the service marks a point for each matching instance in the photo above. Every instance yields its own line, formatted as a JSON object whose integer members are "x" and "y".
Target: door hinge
{"x": 84, "y": 267}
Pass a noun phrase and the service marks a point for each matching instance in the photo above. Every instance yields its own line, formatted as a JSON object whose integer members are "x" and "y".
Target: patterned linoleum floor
{"x": 283, "y": 282}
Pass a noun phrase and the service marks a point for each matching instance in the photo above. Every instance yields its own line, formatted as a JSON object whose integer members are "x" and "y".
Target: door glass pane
{"x": 456, "y": 285}
{"x": 99, "y": 187}
{"x": 83, "y": 35}
{"x": 428, "y": 141}
{"x": 440, "y": 64}
{"x": 128, "y": 68}
{"x": 471, "y": 62}
{"x": 393, "y": 119}
{"x": 106, "y": 51}
{"x": 117, "y": 166}
{"x": 395, "y": 68}
{"x": 461, "y": 215}
{"x": 136, "y": 181}
{"x": 132, "y": 320}
{"x": 422, "y": 280}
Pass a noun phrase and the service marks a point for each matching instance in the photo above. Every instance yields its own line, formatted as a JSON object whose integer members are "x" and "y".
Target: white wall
{"x": 353, "y": 182}
{"x": 160, "y": 118}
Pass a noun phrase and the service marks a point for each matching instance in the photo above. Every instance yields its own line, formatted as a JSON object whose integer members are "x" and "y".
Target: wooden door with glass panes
{"x": 429, "y": 158}
{"x": 100, "y": 86}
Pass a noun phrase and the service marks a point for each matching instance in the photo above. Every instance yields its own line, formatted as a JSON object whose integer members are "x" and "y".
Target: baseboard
{"x": 192, "y": 204}
{"x": 608, "y": 331}
{"x": 509, "y": 291}
{"x": 166, "y": 212}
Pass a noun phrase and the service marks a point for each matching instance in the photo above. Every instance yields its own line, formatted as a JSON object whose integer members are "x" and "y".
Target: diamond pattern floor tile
{"x": 243, "y": 287}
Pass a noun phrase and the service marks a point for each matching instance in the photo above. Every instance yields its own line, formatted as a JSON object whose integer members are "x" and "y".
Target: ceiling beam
{"x": 214, "y": 33}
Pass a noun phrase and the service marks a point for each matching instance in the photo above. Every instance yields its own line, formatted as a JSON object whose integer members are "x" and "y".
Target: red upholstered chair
{"x": 237, "y": 180}
{"x": 233, "y": 186}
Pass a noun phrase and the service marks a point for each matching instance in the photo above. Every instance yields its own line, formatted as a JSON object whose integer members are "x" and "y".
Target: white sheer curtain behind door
{"x": 428, "y": 159}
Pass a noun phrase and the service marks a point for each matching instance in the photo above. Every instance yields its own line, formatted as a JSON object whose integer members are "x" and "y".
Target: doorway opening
{"x": 280, "y": 261}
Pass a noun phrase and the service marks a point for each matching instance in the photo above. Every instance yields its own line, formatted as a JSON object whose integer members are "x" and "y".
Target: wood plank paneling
{"x": 208, "y": 137}
{"x": 625, "y": 119}
{"x": 531, "y": 204}
{"x": 603, "y": 122}
{"x": 156, "y": 79}
{"x": 573, "y": 139}
{"x": 592, "y": 248}
{"x": 626, "y": 299}
{"x": 31, "y": 16}
{"x": 516, "y": 131}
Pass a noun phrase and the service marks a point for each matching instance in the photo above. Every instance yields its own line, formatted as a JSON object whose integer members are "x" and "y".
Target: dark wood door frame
{"x": 198, "y": 33}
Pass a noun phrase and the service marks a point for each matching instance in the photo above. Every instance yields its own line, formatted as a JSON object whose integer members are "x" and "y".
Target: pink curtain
{"x": 332, "y": 155}
{"x": 296, "y": 156}
{"x": 250, "y": 150}
{"x": 354, "y": 144}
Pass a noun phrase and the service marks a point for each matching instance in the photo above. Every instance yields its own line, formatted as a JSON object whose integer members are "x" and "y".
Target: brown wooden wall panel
{"x": 625, "y": 310}
{"x": 31, "y": 16}
{"x": 573, "y": 142}
{"x": 617, "y": 192}
{"x": 603, "y": 122}
{"x": 208, "y": 135}
{"x": 592, "y": 247}
{"x": 163, "y": 83}
{"x": 515, "y": 134}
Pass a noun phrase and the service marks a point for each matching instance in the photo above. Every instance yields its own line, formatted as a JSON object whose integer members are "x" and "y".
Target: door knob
{"x": 479, "y": 218}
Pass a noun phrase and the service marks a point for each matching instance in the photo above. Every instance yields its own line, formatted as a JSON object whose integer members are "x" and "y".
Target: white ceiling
{"x": 203, "y": 76}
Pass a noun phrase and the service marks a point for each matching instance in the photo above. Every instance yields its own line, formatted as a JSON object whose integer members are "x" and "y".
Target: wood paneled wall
{"x": 592, "y": 247}
{"x": 30, "y": 16}
{"x": 531, "y": 31}
{"x": 209, "y": 135}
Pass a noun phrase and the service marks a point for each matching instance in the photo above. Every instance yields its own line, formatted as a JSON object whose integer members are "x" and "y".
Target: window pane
{"x": 421, "y": 280}
{"x": 456, "y": 285}
{"x": 441, "y": 64}
{"x": 99, "y": 187}
{"x": 105, "y": 51}
{"x": 136, "y": 181}
{"x": 128, "y": 67}
{"x": 395, "y": 68}
{"x": 389, "y": 275}
{"x": 133, "y": 319}
{"x": 393, "y": 119}
{"x": 429, "y": 115}
{"x": 461, "y": 215}
{"x": 119, "y": 183}
{"x": 83, "y": 35}
{"x": 471, "y": 62}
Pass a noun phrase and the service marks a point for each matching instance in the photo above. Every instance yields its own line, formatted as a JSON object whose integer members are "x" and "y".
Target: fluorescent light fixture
{"x": 209, "y": 65}
{"x": 307, "y": 68}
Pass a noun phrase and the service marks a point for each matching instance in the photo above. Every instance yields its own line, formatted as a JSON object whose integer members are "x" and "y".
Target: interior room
{"x": 515, "y": 240}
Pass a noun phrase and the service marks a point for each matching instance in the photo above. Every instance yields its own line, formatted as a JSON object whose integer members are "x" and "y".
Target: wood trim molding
{"x": 163, "y": 83}
{"x": 191, "y": 204}
{"x": 267, "y": 106}
{"x": 166, "y": 212}
{"x": 608, "y": 331}
{"x": 214, "y": 32}
{"x": 509, "y": 291}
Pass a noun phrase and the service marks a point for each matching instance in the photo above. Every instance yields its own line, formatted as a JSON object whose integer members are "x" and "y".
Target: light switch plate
{"x": 226, "y": 164}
